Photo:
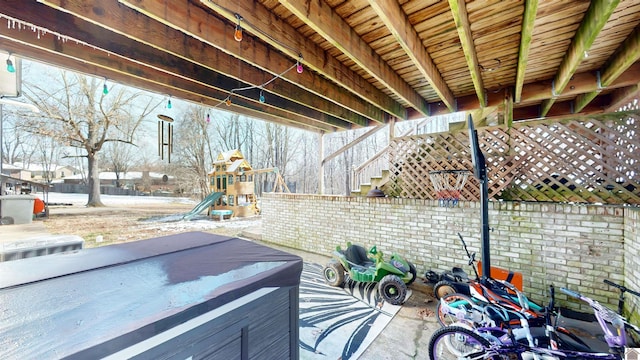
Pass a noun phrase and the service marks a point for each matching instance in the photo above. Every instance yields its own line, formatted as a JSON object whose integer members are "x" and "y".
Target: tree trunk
{"x": 94, "y": 181}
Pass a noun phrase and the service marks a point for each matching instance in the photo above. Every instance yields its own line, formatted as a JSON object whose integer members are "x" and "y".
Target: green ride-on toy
{"x": 392, "y": 277}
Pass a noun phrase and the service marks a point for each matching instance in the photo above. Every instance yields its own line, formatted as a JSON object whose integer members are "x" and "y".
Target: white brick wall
{"x": 576, "y": 246}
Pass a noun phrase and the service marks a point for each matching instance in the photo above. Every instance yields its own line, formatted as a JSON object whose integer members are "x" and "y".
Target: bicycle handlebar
{"x": 571, "y": 293}
{"x": 621, "y": 287}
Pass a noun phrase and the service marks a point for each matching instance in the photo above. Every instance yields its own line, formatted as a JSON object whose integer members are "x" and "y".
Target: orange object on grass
{"x": 38, "y": 206}
{"x": 514, "y": 277}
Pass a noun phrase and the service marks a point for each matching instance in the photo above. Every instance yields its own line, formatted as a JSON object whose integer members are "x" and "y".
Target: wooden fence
{"x": 586, "y": 160}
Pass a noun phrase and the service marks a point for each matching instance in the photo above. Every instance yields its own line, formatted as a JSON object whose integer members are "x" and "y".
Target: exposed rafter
{"x": 261, "y": 23}
{"x": 396, "y": 21}
{"x": 330, "y": 26}
{"x": 624, "y": 57}
{"x": 209, "y": 30}
{"x": 365, "y": 62}
{"x": 146, "y": 56}
{"x": 133, "y": 75}
{"x": 528, "y": 21}
{"x": 459, "y": 11}
{"x": 188, "y": 54}
{"x": 593, "y": 22}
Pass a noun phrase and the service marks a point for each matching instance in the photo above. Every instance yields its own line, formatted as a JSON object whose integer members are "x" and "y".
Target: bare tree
{"x": 48, "y": 151}
{"x": 120, "y": 156}
{"x": 193, "y": 150}
{"x": 16, "y": 146}
{"x": 76, "y": 112}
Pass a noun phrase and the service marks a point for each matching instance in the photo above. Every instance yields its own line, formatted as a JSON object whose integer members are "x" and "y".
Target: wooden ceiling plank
{"x": 323, "y": 20}
{"x": 154, "y": 81}
{"x": 594, "y": 20}
{"x": 528, "y": 21}
{"x": 125, "y": 48}
{"x": 277, "y": 33}
{"x": 622, "y": 97}
{"x": 394, "y": 18}
{"x": 215, "y": 32}
{"x": 625, "y": 56}
{"x": 461, "y": 18}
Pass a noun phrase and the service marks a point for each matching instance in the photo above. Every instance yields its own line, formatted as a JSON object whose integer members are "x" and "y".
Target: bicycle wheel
{"x": 455, "y": 342}
{"x": 459, "y": 301}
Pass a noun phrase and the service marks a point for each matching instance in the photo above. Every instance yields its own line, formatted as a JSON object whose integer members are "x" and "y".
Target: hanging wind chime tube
{"x": 165, "y": 140}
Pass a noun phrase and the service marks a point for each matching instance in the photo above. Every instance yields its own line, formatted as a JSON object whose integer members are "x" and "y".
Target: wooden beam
{"x": 623, "y": 97}
{"x": 64, "y": 62}
{"x": 594, "y": 20}
{"x": 396, "y": 21}
{"x": 508, "y": 108}
{"x": 625, "y": 56}
{"x": 461, "y": 18}
{"x": 353, "y": 143}
{"x": 261, "y": 22}
{"x": 75, "y": 56}
{"x": 323, "y": 20}
{"x": 528, "y": 21}
{"x": 109, "y": 15}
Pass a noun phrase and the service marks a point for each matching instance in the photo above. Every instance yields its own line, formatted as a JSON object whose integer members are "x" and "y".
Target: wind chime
{"x": 165, "y": 139}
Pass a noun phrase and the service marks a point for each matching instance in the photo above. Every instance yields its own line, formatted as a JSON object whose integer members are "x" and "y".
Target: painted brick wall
{"x": 632, "y": 259}
{"x": 567, "y": 245}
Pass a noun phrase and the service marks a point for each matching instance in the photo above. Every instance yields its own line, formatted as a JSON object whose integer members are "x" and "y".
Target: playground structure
{"x": 233, "y": 179}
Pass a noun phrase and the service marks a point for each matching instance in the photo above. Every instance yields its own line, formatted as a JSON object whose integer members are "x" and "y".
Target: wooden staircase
{"x": 375, "y": 181}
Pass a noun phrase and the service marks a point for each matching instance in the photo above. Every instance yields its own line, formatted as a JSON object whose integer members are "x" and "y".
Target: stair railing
{"x": 376, "y": 164}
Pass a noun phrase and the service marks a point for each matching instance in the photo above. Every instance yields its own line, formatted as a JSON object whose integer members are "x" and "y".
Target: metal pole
{"x": 484, "y": 215}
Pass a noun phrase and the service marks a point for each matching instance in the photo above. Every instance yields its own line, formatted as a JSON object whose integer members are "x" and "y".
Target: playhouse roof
{"x": 229, "y": 156}
{"x": 239, "y": 164}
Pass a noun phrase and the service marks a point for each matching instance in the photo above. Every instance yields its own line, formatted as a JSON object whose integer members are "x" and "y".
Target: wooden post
{"x": 392, "y": 128}
{"x": 321, "y": 160}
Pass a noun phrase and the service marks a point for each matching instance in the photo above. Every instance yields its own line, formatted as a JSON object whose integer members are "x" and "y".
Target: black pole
{"x": 480, "y": 172}
{"x": 484, "y": 216}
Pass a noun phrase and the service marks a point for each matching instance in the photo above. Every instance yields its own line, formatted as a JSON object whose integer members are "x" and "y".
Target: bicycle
{"x": 489, "y": 291}
{"x": 461, "y": 342}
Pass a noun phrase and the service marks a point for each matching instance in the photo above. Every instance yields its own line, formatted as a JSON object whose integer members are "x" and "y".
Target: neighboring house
{"x": 16, "y": 172}
{"x": 55, "y": 172}
{"x": 37, "y": 173}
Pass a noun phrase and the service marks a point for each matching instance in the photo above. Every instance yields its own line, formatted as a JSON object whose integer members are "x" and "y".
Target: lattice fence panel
{"x": 581, "y": 161}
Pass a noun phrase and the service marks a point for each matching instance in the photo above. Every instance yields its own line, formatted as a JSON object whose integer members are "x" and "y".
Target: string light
{"x": 169, "y": 106}
{"x": 208, "y": 119}
{"x": 299, "y": 68}
{"x": 10, "y": 67}
{"x": 105, "y": 89}
{"x": 237, "y": 35}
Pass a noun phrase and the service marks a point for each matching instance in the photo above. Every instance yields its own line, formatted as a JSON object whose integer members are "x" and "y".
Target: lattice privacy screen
{"x": 580, "y": 161}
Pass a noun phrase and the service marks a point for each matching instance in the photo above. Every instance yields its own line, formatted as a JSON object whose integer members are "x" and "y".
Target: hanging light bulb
{"x": 10, "y": 67}
{"x": 228, "y": 101}
{"x": 237, "y": 35}
{"x": 169, "y": 106}
{"x": 261, "y": 96}
{"x": 299, "y": 68}
{"x": 105, "y": 89}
